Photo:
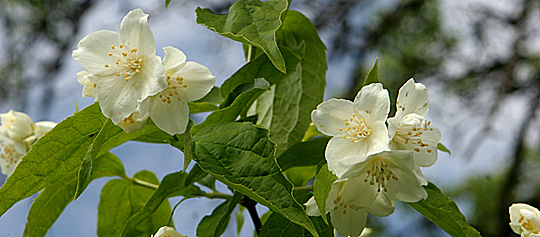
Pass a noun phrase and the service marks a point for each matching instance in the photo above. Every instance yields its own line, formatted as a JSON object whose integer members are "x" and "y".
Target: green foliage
{"x": 251, "y": 22}
{"x": 443, "y": 212}
{"x": 373, "y": 74}
{"x": 51, "y": 202}
{"x": 443, "y": 148}
{"x": 321, "y": 188}
{"x": 59, "y": 153}
{"x": 120, "y": 199}
{"x": 242, "y": 156}
{"x": 215, "y": 224}
{"x": 306, "y": 153}
{"x": 172, "y": 185}
{"x": 278, "y": 226}
{"x": 167, "y": 2}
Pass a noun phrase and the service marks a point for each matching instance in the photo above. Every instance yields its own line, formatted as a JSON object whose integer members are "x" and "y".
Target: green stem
{"x": 174, "y": 209}
{"x": 304, "y": 188}
{"x": 144, "y": 183}
{"x": 216, "y": 195}
{"x": 250, "y": 51}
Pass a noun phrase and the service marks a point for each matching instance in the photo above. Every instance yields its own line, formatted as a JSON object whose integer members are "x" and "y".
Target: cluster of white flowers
{"x": 131, "y": 83}
{"x": 525, "y": 220}
{"x": 17, "y": 133}
{"x": 375, "y": 165}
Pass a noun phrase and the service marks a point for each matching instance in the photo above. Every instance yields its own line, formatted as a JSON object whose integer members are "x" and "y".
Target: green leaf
{"x": 307, "y": 153}
{"x": 278, "y": 226}
{"x": 373, "y": 74}
{"x": 299, "y": 93}
{"x": 443, "y": 148}
{"x": 239, "y": 221}
{"x": 201, "y": 107}
{"x": 167, "y": 2}
{"x": 251, "y": 22}
{"x": 311, "y": 133}
{"x": 172, "y": 185}
{"x": 261, "y": 67}
{"x": 241, "y": 155}
{"x": 214, "y": 96}
{"x": 443, "y": 212}
{"x": 215, "y": 224}
{"x": 253, "y": 83}
{"x": 195, "y": 174}
{"x": 188, "y": 155}
{"x": 85, "y": 172}
{"x": 120, "y": 199}
{"x": 321, "y": 188}
{"x": 300, "y": 176}
{"x": 60, "y": 152}
{"x": 229, "y": 114}
{"x": 51, "y": 202}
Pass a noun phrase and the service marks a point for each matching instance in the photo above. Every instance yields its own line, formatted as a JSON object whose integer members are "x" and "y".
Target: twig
{"x": 250, "y": 205}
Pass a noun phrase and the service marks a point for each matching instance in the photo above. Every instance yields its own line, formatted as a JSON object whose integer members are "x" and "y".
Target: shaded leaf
{"x": 242, "y": 156}
{"x": 306, "y": 153}
{"x": 443, "y": 212}
{"x": 215, "y": 224}
{"x": 278, "y": 226}
{"x": 201, "y": 107}
{"x": 321, "y": 188}
{"x": 373, "y": 74}
{"x": 251, "y": 22}
{"x": 120, "y": 199}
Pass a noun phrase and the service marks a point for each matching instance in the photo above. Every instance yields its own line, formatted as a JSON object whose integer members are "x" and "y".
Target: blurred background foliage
{"x": 483, "y": 54}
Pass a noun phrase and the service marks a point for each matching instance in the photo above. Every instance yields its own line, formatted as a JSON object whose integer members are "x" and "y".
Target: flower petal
{"x": 415, "y": 133}
{"x": 89, "y": 88}
{"x": 407, "y": 187}
{"x": 348, "y": 221}
{"x": 43, "y": 127}
{"x": 173, "y": 57}
{"x": 329, "y": 116}
{"x": 151, "y": 80}
{"x": 341, "y": 153}
{"x": 170, "y": 117}
{"x": 359, "y": 194}
{"x": 93, "y": 50}
{"x": 382, "y": 206}
{"x": 118, "y": 98}
{"x": 412, "y": 98}
{"x": 197, "y": 80}
{"x": 135, "y": 33}
{"x": 18, "y": 125}
{"x": 374, "y": 102}
{"x": 311, "y": 207}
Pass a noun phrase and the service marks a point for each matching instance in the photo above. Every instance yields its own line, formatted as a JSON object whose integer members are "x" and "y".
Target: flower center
{"x": 9, "y": 154}
{"x": 527, "y": 225}
{"x": 355, "y": 129}
{"x": 379, "y": 174}
{"x": 411, "y": 136}
{"x": 127, "y": 62}
{"x": 173, "y": 86}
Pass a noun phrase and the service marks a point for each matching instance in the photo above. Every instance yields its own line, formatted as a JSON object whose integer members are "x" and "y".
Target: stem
{"x": 144, "y": 183}
{"x": 250, "y": 205}
{"x": 174, "y": 209}
{"x": 250, "y": 51}
{"x": 304, "y": 188}
{"x": 216, "y": 195}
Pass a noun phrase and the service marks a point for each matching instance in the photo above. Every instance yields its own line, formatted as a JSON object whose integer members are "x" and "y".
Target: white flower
{"x": 358, "y": 128}
{"x": 348, "y": 218}
{"x": 409, "y": 130}
{"x": 134, "y": 122}
{"x": 186, "y": 81}
{"x": 11, "y": 152}
{"x": 18, "y": 125}
{"x": 525, "y": 220}
{"x": 123, "y": 66}
{"x": 17, "y": 133}
{"x": 167, "y": 231}
{"x": 389, "y": 173}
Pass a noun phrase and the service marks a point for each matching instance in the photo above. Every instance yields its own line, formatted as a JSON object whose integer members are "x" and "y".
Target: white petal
{"x": 311, "y": 207}
{"x": 341, "y": 153}
{"x": 43, "y": 127}
{"x": 118, "y": 98}
{"x": 412, "y": 98}
{"x": 9, "y": 156}
{"x": 378, "y": 139}
{"x": 151, "y": 80}
{"x": 348, "y": 221}
{"x": 197, "y": 80}
{"x": 18, "y": 125}
{"x": 173, "y": 57}
{"x": 172, "y": 118}
{"x": 330, "y": 115}
{"x": 92, "y": 53}
{"x": 167, "y": 231}
{"x": 134, "y": 122}
{"x": 415, "y": 133}
{"x": 407, "y": 188}
{"x": 382, "y": 206}
{"x": 374, "y": 101}
{"x": 359, "y": 194}
{"x": 89, "y": 88}
{"x": 135, "y": 32}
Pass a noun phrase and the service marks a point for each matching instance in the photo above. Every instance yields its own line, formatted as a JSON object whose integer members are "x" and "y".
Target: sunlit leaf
{"x": 321, "y": 188}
